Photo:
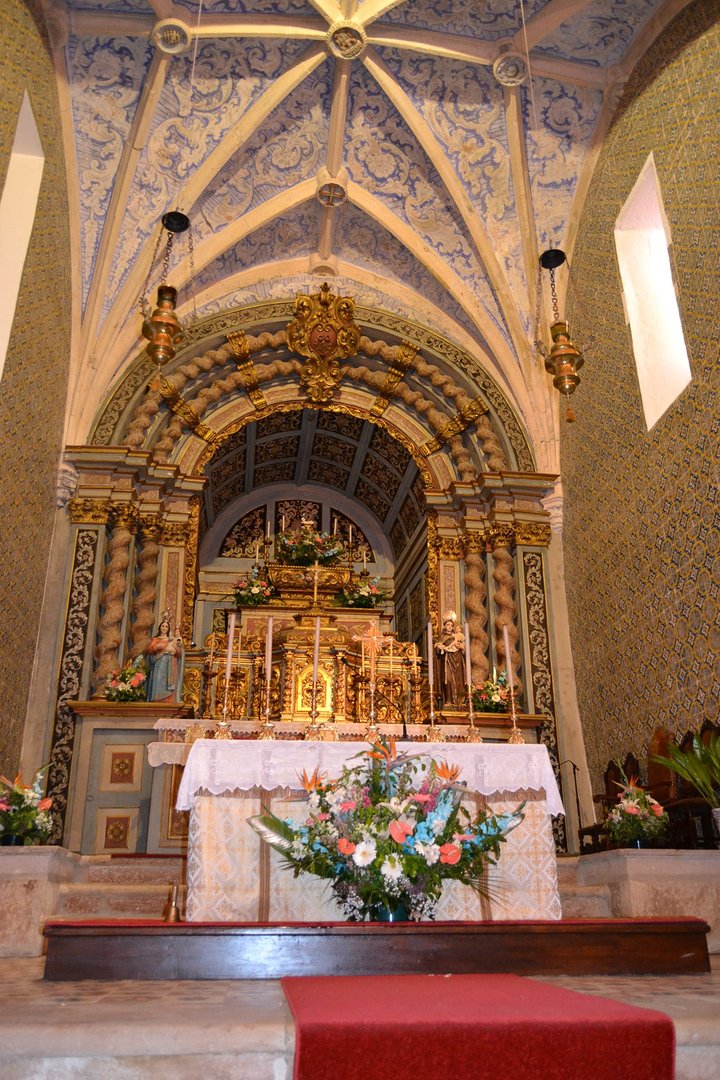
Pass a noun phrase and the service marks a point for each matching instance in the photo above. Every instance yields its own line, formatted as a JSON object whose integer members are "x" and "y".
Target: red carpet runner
{"x": 470, "y": 1027}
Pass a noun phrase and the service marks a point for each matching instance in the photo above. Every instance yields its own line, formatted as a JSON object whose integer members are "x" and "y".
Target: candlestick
{"x": 430, "y": 659}
{"x": 468, "y": 669}
{"x": 230, "y": 642}
{"x": 268, "y": 662}
{"x": 316, "y": 651}
{"x": 508, "y": 665}
{"x": 212, "y": 649}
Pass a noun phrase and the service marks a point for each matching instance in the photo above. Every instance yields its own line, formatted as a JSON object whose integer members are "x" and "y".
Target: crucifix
{"x": 372, "y": 642}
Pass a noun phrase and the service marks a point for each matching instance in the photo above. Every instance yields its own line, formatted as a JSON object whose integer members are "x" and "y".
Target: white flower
{"x": 334, "y": 798}
{"x": 391, "y": 868}
{"x": 364, "y": 853}
{"x": 438, "y": 824}
{"x": 313, "y": 802}
{"x": 398, "y": 806}
{"x": 429, "y": 852}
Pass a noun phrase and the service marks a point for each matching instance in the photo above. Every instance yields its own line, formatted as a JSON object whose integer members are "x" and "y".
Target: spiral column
{"x": 502, "y": 539}
{"x": 477, "y": 615}
{"x": 143, "y": 608}
{"x": 112, "y": 602}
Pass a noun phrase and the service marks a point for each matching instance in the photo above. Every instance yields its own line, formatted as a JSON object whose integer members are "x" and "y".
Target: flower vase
{"x": 10, "y": 840}
{"x": 381, "y": 913}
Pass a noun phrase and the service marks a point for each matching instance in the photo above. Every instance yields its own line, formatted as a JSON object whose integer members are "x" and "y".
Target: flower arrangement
{"x": 637, "y": 815}
{"x": 306, "y": 545}
{"x": 128, "y": 683}
{"x": 24, "y": 812}
{"x": 360, "y": 592}
{"x": 253, "y": 589}
{"x": 388, "y": 833}
{"x": 493, "y": 695}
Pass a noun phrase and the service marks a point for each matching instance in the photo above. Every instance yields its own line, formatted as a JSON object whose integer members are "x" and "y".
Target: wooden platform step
{"x": 110, "y": 950}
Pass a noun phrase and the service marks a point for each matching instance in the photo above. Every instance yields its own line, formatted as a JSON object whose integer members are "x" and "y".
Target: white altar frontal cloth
{"x": 225, "y": 767}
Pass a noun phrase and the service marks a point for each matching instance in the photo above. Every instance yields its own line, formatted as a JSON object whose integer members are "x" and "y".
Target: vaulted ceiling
{"x": 370, "y": 144}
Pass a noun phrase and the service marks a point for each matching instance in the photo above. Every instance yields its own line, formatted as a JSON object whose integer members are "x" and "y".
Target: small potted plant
{"x": 24, "y": 811}
{"x": 637, "y": 820}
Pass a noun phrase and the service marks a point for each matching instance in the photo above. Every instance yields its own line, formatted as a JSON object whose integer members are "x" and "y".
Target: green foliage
{"x": 700, "y": 766}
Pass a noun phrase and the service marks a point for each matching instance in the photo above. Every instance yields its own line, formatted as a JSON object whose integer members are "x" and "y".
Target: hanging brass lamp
{"x": 564, "y": 359}
{"x": 161, "y": 326}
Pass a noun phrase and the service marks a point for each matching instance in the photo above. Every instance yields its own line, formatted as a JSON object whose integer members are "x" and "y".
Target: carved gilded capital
{"x": 450, "y": 547}
{"x": 150, "y": 526}
{"x": 532, "y": 533}
{"x": 89, "y": 511}
{"x": 124, "y": 516}
{"x": 500, "y": 536}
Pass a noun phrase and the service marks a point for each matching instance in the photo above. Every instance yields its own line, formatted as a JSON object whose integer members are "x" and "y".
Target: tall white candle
{"x": 364, "y": 559}
{"x": 468, "y": 668}
{"x": 239, "y": 651}
{"x": 267, "y": 531}
{"x": 282, "y": 522}
{"x": 430, "y": 654}
{"x": 268, "y": 649}
{"x": 350, "y": 537}
{"x": 316, "y": 651}
{"x": 335, "y": 527}
{"x": 508, "y": 665}
{"x": 257, "y": 553}
{"x": 230, "y": 642}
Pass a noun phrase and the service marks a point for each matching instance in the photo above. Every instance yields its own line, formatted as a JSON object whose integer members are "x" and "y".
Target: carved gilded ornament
{"x": 175, "y": 533}
{"x": 89, "y": 511}
{"x": 532, "y": 533}
{"x": 191, "y": 570}
{"x": 251, "y": 383}
{"x": 240, "y": 345}
{"x": 404, "y": 358}
{"x": 432, "y": 588}
{"x": 450, "y": 547}
{"x": 324, "y": 331}
{"x": 177, "y": 405}
{"x": 455, "y": 426}
{"x": 150, "y": 527}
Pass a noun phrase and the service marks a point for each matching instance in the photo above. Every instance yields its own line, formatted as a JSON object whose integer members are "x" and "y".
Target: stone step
{"x": 113, "y": 900}
{"x": 107, "y": 868}
{"x": 586, "y": 902}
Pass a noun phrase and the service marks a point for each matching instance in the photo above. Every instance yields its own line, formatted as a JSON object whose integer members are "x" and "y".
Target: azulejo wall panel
{"x": 35, "y": 378}
{"x": 642, "y": 535}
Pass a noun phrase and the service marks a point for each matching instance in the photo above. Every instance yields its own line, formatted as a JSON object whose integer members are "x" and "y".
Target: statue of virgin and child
{"x": 165, "y": 658}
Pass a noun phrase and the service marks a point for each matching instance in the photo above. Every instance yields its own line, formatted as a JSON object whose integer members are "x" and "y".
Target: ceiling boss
{"x": 324, "y": 332}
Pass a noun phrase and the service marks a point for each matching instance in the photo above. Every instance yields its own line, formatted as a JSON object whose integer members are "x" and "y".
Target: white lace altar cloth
{"x": 218, "y": 767}
{"x": 233, "y": 876}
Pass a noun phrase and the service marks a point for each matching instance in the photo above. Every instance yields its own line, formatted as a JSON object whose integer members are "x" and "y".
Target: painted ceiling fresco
{"x": 445, "y": 183}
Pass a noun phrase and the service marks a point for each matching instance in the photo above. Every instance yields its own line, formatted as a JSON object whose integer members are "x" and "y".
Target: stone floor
{"x": 243, "y": 1030}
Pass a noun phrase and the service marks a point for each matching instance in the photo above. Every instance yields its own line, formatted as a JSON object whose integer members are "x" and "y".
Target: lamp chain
{"x": 554, "y": 297}
{"x": 142, "y": 298}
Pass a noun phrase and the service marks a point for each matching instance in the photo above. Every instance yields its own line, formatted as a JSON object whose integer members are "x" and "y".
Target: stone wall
{"x": 642, "y": 535}
{"x": 34, "y": 383}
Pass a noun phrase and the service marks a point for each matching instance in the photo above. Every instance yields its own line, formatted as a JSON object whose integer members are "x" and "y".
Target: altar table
{"x": 233, "y": 876}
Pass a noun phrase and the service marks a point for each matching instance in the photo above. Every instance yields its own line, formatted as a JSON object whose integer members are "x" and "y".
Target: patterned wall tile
{"x": 642, "y": 534}
{"x": 34, "y": 382}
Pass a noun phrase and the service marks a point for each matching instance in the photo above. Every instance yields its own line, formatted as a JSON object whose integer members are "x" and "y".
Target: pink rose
{"x": 350, "y": 804}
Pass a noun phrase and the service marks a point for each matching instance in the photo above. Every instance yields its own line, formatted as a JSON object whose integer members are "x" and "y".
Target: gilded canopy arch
{"x": 243, "y": 353}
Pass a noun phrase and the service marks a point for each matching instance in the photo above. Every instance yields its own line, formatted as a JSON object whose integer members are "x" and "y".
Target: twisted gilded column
{"x": 112, "y": 601}
{"x": 477, "y": 615}
{"x": 143, "y": 608}
{"x": 501, "y": 539}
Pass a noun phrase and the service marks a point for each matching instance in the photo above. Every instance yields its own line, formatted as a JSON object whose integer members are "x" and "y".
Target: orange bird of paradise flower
{"x": 447, "y": 772}
{"x": 312, "y": 782}
{"x": 384, "y": 752}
